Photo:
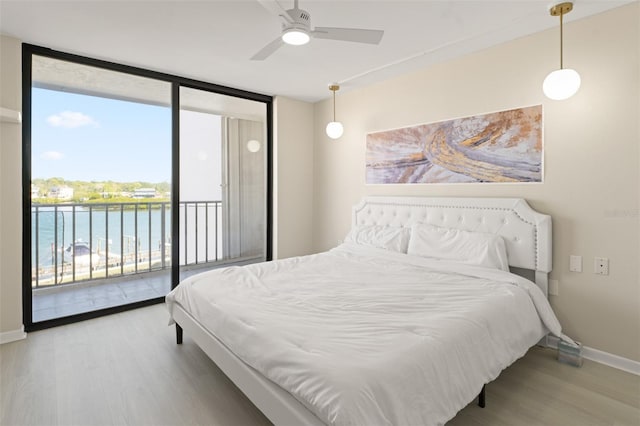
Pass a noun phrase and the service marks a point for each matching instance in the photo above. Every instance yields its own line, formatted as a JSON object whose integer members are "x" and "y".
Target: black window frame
{"x": 28, "y": 51}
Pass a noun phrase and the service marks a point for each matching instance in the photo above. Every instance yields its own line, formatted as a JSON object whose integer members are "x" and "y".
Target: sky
{"x": 88, "y": 138}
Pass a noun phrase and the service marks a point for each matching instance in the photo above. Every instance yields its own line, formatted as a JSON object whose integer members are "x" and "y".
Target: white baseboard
{"x": 12, "y": 336}
{"x": 615, "y": 361}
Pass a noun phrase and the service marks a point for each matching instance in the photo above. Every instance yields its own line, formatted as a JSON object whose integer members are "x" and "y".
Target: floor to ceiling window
{"x": 133, "y": 180}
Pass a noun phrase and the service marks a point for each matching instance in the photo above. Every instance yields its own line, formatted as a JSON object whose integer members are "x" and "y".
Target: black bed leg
{"x": 481, "y": 397}
{"x": 179, "y": 335}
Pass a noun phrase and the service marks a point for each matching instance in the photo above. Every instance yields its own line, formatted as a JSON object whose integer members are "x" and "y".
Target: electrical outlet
{"x": 601, "y": 266}
{"x": 554, "y": 288}
{"x": 575, "y": 263}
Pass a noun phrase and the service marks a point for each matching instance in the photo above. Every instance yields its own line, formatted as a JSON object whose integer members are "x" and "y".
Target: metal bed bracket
{"x": 179, "y": 337}
{"x": 481, "y": 397}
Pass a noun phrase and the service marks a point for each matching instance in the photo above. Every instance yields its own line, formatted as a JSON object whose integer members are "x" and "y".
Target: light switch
{"x": 575, "y": 263}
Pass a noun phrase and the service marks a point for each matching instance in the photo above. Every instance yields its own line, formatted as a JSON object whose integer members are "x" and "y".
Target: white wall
{"x": 293, "y": 178}
{"x": 10, "y": 192}
{"x": 591, "y": 185}
{"x": 200, "y": 156}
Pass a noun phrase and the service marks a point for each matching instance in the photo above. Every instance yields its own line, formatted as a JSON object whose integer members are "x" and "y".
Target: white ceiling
{"x": 213, "y": 40}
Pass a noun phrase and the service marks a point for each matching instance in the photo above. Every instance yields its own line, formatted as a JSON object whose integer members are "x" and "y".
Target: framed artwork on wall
{"x": 499, "y": 147}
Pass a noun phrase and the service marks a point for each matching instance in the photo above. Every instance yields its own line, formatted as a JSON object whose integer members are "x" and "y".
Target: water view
{"x": 92, "y": 237}
{"x": 74, "y": 242}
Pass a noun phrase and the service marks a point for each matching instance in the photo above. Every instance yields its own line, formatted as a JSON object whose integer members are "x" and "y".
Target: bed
{"x": 379, "y": 334}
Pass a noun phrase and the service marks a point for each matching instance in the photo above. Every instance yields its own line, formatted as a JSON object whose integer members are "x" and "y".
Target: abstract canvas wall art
{"x": 503, "y": 146}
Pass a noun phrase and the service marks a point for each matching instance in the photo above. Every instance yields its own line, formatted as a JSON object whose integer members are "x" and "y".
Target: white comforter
{"x": 370, "y": 337}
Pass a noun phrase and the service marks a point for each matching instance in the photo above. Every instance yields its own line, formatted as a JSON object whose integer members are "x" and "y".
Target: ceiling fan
{"x": 296, "y": 30}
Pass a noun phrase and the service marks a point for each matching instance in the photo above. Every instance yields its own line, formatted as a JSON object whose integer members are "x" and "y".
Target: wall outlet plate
{"x": 601, "y": 266}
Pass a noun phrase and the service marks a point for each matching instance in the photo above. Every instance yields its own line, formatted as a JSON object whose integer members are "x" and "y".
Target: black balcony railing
{"x": 82, "y": 242}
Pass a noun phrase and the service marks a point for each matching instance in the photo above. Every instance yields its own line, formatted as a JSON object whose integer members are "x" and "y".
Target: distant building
{"x": 35, "y": 191}
{"x": 61, "y": 192}
{"x": 144, "y": 193}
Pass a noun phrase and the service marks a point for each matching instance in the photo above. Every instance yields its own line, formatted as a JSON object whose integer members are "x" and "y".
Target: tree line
{"x": 95, "y": 191}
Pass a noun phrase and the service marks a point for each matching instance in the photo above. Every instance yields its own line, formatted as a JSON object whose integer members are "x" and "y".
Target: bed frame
{"x": 527, "y": 235}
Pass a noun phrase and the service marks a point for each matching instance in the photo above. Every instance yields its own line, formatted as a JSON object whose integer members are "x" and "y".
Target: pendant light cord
{"x": 561, "y": 38}
{"x": 334, "y": 87}
{"x": 334, "y": 105}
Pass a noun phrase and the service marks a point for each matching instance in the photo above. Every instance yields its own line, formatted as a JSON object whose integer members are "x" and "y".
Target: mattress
{"x": 371, "y": 337}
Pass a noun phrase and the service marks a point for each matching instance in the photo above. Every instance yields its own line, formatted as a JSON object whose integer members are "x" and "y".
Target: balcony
{"x": 93, "y": 256}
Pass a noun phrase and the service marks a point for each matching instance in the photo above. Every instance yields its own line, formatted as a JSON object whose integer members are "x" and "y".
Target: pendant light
{"x": 334, "y": 128}
{"x": 563, "y": 83}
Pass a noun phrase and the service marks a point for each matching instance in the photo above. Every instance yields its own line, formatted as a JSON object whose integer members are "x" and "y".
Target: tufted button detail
{"x": 516, "y": 239}
{"x": 504, "y": 221}
{"x": 460, "y": 219}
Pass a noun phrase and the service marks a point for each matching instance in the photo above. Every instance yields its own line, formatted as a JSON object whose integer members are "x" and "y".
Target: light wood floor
{"x": 126, "y": 369}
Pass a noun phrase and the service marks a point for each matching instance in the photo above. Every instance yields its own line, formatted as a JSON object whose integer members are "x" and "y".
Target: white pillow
{"x": 378, "y": 236}
{"x": 473, "y": 248}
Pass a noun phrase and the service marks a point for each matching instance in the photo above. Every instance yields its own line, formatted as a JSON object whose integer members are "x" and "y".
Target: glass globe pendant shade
{"x": 335, "y": 129}
{"x": 561, "y": 84}
{"x": 295, "y": 37}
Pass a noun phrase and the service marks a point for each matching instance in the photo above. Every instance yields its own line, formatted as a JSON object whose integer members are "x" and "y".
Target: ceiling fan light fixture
{"x": 295, "y": 37}
{"x": 297, "y": 30}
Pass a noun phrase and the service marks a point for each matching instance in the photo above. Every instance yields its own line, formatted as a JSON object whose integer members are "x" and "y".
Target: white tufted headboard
{"x": 527, "y": 233}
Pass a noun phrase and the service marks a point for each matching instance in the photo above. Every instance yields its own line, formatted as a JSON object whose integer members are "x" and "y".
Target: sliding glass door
{"x": 223, "y": 180}
{"x": 134, "y": 180}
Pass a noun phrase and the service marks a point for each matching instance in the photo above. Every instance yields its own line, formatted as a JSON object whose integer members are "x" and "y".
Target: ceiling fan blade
{"x": 266, "y": 51}
{"x": 349, "y": 34}
{"x": 274, "y": 7}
